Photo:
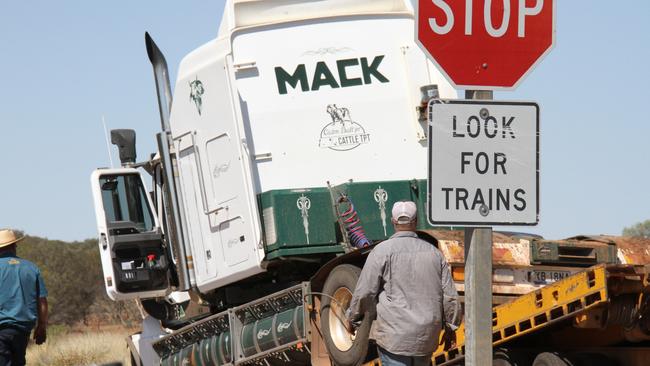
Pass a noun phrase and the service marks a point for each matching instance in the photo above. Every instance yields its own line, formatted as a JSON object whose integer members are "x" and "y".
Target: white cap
{"x": 404, "y": 212}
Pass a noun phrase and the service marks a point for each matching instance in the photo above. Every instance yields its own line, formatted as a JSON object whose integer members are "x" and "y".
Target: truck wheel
{"x": 165, "y": 312}
{"x": 343, "y": 348}
{"x": 551, "y": 359}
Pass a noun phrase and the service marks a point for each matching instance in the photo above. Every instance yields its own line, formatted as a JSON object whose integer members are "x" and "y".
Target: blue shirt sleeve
{"x": 42, "y": 290}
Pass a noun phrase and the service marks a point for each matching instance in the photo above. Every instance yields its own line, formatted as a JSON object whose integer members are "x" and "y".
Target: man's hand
{"x": 349, "y": 326}
{"x": 40, "y": 334}
{"x": 41, "y": 326}
{"x": 448, "y": 339}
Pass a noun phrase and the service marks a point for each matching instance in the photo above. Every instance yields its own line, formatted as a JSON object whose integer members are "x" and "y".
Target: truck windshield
{"x": 125, "y": 203}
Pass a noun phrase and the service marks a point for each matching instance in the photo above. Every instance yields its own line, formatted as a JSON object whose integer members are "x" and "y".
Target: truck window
{"x": 125, "y": 203}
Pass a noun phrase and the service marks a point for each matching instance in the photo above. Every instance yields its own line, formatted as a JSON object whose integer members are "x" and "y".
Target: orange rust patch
{"x": 502, "y": 255}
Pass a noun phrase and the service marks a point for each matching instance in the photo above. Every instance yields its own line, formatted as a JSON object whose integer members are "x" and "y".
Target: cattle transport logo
{"x": 342, "y": 133}
{"x": 196, "y": 93}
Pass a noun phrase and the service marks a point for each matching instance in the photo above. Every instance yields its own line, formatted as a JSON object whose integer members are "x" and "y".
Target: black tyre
{"x": 594, "y": 359}
{"x": 343, "y": 349}
{"x": 551, "y": 359}
{"x": 166, "y": 312}
{"x": 506, "y": 357}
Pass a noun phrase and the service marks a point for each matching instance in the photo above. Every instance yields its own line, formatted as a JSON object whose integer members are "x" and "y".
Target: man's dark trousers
{"x": 391, "y": 359}
{"x": 13, "y": 344}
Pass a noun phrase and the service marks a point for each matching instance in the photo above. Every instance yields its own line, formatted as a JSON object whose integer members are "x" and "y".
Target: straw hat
{"x": 8, "y": 237}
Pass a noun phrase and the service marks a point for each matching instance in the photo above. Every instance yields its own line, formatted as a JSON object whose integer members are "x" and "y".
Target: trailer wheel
{"x": 551, "y": 359}
{"x": 506, "y": 357}
{"x": 343, "y": 348}
{"x": 594, "y": 359}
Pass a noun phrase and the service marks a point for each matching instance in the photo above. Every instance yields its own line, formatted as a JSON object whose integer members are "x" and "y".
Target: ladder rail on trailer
{"x": 249, "y": 334}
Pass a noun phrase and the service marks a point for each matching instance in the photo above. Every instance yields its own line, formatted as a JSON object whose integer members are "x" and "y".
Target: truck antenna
{"x": 108, "y": 145}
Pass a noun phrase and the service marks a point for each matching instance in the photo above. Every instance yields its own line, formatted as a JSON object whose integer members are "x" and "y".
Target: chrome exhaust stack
{"x": 165, "y": 145}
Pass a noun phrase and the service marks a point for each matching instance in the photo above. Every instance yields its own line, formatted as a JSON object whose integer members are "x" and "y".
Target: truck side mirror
{"x": 125, "y": 141}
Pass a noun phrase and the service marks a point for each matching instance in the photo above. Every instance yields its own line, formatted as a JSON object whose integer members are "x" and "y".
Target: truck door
{"x": 131, "y": 242}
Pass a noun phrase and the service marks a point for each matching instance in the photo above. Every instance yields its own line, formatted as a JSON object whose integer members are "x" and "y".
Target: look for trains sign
{"x": 489, "y": 44}
{"x": 483, "y": 162}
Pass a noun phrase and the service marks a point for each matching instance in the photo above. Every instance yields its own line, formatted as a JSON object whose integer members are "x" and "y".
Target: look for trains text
{"x": 484, "y": 163}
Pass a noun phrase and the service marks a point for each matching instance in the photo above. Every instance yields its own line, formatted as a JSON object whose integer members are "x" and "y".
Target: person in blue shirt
{"x": 23, "y": 302}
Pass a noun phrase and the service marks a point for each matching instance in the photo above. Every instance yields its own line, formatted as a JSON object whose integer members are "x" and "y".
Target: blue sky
{"x": 65, "y": 64}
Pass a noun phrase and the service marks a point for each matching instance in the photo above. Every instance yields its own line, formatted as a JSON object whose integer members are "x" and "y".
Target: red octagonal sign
{"x": 486, "y": 43}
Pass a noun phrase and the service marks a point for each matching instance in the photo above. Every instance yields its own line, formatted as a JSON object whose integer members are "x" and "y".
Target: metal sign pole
{"x": 478, "y": 284}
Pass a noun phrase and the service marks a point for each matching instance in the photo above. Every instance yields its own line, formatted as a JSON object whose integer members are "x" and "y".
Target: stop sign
{"x": 485, "y": 43}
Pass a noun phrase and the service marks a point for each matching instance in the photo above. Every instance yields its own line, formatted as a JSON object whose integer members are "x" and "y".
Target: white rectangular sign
{"x": 483, "y": 162}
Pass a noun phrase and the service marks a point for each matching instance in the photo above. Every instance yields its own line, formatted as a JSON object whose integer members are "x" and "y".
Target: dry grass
{"x": 79, "y": 348}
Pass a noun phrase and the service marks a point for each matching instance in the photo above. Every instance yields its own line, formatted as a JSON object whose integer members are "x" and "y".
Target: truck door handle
{"x": 104, "y": 241}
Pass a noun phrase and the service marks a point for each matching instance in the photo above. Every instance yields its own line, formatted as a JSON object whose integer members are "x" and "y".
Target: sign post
{"x": 478, "y": 286}
{"x": 483, "y": 159}
{"x": 478, "y": 296}
{"x": 483, "y": 170}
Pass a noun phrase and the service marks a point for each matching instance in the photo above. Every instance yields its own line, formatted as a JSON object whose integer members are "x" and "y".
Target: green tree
{"x": 641, "y": 230}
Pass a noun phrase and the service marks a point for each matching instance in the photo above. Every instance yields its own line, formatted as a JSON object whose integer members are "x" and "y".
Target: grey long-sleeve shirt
{"x": 410, "y": 281}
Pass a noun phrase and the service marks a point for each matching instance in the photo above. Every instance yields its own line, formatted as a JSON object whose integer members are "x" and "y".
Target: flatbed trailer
{"x": 598, "y": 316}
{"x": 595, "y": 317}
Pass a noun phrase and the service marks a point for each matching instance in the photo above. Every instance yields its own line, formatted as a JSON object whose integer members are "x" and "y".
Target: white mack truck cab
{"x": 287, "y": 141}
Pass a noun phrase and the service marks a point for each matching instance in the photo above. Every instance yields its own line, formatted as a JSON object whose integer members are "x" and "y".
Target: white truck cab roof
{"x": 248, "y": 13}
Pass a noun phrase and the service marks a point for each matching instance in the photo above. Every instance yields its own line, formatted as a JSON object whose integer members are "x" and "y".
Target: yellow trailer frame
{"x": 573, "y": 297}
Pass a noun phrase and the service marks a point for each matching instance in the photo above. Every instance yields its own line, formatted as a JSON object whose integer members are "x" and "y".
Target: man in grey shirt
{"x": 410, "y": 281}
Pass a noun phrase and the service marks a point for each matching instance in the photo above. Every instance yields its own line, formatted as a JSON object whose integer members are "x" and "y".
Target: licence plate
{"x": 546, "y": 276}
